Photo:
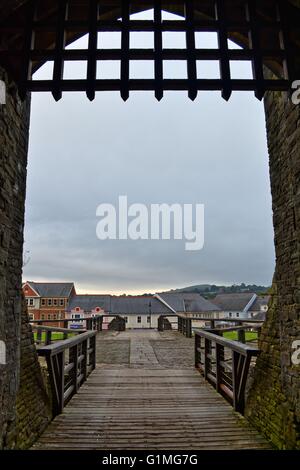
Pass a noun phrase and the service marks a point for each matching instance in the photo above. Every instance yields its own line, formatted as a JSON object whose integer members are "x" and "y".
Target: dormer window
{"x": 77, "y": 309}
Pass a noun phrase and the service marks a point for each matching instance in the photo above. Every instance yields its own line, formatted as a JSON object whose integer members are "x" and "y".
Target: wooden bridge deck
{"x": 145, "y": 404}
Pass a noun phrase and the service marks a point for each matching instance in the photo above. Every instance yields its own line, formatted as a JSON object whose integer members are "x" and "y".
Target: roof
{"x": 187, "y": 302}
{"x": 52, "y": 289}
{"x": 138, "y": 304}
{"x": 90, "y": 302}
{"x": 261, "y": 301}
{"x": 260, "y": 316}
{"x": 237, "y": 302}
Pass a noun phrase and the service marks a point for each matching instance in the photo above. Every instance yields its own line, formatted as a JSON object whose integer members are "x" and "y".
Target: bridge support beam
{"x": 273, "y": 405}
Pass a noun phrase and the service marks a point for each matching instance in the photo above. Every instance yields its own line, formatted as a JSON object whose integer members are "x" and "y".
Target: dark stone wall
{"x": 274, "y": 402}
{"x": 20, "y": 359}
{"x": 14, "y": 124}
{"x": 33, "y": 406}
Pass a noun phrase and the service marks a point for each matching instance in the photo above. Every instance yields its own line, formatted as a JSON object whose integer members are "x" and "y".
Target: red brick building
{"x": 48, "y": 301}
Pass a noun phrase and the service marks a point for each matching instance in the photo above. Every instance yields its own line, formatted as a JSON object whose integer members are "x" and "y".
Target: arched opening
{"x": 275, "y": 380}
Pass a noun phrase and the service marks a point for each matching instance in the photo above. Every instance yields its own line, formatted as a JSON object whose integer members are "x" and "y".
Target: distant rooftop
{"x": 52, "y": 289}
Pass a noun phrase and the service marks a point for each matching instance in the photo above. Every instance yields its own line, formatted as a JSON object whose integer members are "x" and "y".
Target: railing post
{"x": 235, "y": 379}
{"x": 219, "y": 358}
{"x": 197, "y": 353}
{"x": 190, "y": 328}
{"x": 48, "y": 338}
{"x": 206, "y": 358}
{"x": 65, "y": 323}
{"x": 73, "y": 357}
{"x": 39, "y": 333}
{"x": 84, "y": 360}
{"x": 92, "y": 357}
{"x": 241, "y": 334}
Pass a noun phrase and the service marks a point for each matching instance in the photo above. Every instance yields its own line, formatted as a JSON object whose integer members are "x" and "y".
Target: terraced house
{"x": 48, "y": 301}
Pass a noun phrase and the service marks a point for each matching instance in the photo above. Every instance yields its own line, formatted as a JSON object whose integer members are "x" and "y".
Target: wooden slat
{"x": 189, "y": 417}
{"x": 58, "y": 68}
{"x": 125, "y": 38}
{"x": 158, "y": 50}
{"x": 254, "y": 40}
{"x": 28, "y": 44}
{"x": 223, "y": 46}
{"x": 191, "y": 56}
{"x": 92, "y": 49}
{"x": 285, "y": 42}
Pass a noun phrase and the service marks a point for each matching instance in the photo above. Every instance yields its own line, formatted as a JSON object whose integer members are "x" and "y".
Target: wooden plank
{"x": 116, "y": 409}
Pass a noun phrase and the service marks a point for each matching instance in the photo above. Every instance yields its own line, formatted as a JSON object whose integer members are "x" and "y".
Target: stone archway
{"x": 273, "y": 406}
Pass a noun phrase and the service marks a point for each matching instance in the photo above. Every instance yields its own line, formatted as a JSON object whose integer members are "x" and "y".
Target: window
{"x": 148, "y": 319}
{"x": 230, "y": 315}
{"x": 62, "y": 302}
{"x": 237, "y": 315}
{"x": 31, "y": 317}
{"x": 44, "y": 302}
{"x": 49, "y": 316}
{"x": 54, "y": 316}
{"x": 49, "y": 302}
{"x": 43, "y": 316}
{"x": 54, "y": 301}
{"x": 27, "y": 301}
{"x": 126, "y": 319}
{"x": 31, "y": 302}
{"x": 77, "y": 309}
{"x": 139, "y": 319}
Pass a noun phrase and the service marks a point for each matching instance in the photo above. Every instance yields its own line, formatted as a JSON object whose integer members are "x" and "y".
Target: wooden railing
{"x": 165, "y": 322}
{"x": 185, "y": 326}
{"x": 69, "y": 363}
{"x": 92, "y": 323}
{"x": 225, "y": 364}
{"x": 48, "y": 332}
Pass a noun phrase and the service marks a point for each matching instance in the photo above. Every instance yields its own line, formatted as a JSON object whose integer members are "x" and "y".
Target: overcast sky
{"x": 176, "y": 151}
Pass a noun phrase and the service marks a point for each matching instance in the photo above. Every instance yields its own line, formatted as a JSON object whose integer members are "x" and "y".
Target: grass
{"x": 233, "y": 335}
{"x": 55, "y": 336}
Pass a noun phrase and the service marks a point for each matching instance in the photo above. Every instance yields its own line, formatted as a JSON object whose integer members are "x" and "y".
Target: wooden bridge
{"x": 144, "y": 392}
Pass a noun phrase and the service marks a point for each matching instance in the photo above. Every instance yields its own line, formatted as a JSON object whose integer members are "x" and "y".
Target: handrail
{"x": 92, "y": 323}
{"x": 56, "y": 329}
{"x": 48, "y": 330}
{"x": 225, "y": 365}
{"x": 67, "y": 320}
{"x": 69, "y": 363}
{"x": 60, "y": 346}
{"x": 241, "y": 348}
{"x": 191, "y": 316}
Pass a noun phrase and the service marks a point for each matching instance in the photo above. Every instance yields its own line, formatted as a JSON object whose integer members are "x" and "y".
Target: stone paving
{"x": 150, "y": 348}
